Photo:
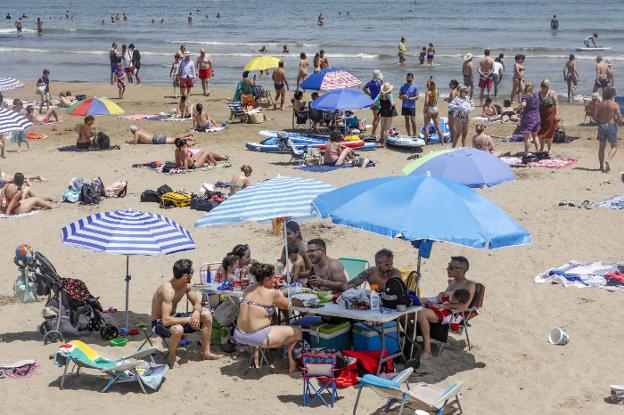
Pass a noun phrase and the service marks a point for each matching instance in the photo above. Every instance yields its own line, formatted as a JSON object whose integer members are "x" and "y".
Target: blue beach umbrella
{"x": 342, "y": 100}
{"x": 422, "y": 209}
{"x": 468, "y": 166}
{"x": 128, "y": 232}
{"x": 329, "y": 79}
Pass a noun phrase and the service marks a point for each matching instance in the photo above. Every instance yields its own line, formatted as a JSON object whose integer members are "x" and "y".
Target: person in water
{"x": 590, "y": 41}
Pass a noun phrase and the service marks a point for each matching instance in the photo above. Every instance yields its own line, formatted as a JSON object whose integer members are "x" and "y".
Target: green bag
{"x": 25, "y": 289}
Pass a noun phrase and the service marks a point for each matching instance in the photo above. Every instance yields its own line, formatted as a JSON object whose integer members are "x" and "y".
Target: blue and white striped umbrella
{"x": 9, "y": 84}
{"x": 128, "y": 232}
{"x": 280, "y": 197}
{"x": 12, "y": 121}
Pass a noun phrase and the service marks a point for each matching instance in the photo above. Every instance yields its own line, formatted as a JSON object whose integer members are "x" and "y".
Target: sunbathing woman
{"x": 202, "y": 121}
{"x": 16, "y": 200}
{"x": 191, "y": 158}
{"x": 44, "y": 118}
{"x": 482, "y": 141}
{"x": 140, "y": 136}
{"x": 336, "y": 153}
{"x": 489, "y": 110}
{"x": 508, "y": 113}
{"x": 257, "y": 308}
{"x": 66, "y": 99}
{"x": 241, "y": 180}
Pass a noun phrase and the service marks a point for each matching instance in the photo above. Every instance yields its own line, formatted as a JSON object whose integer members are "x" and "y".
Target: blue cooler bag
{"x": 367, "y": 338}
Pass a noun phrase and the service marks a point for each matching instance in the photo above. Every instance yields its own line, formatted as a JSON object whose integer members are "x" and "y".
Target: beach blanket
{"x": 591, "y": 274}
{"x": 547, "y": 163}
{"x": 21, "y": 215}
{"x": 35, "y": 136}
{"x": 20, "y": 369}
{"x": 615, "y": 202}
{"x": 516, "y": 138}
{"x": 157, "y": 166}
{"x": 485, "y": 120}
{"x": 73, "y": 148}
{"x": 213, "y": 130}
{"x": 323, "y": 168}
{"x": 151, "y": 117}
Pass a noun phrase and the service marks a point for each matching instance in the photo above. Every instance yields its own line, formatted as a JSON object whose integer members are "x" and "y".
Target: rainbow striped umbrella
{"x": 95, "y": 106}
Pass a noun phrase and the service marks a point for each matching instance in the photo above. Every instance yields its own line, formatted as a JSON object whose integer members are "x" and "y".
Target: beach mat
{"x": 157, "y": 166}
{"x": 21, "y": 215}
{"x": 583, "y": 275}
{"x": 151, "y": 117}
{"x": 20, "y": 369}
{"x": 546, "y": 163}
{"x": 74, "y": 149}
{"x": 615, "y": 202}
{"x": 323, "y": 168}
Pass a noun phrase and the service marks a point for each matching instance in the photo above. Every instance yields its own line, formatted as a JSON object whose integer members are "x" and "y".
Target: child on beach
{"x": 422, "y": 55}
{"x": 442, "y": 308}
{"x": 298, "y": 271}
{"x": 121, "y": 80}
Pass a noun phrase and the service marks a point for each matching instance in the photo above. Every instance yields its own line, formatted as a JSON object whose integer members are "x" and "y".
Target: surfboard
{"x": 584, "y": 49}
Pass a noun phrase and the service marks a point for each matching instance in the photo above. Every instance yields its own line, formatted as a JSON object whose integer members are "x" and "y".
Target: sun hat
{"x": 387, "y": 88}
{"x": 467, "y": 56}
{"x": 377, "y": 75}
{"x": 187, "y": 53}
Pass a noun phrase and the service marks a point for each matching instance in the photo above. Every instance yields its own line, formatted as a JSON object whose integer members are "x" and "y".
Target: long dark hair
{"x": 261, "y": 271}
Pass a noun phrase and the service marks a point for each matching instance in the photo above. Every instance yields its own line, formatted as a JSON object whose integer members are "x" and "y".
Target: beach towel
{"x": 157, "y": 167}
{"x": 74, "y": 149}
{"x": 213, "y": 130}
{"x": 575, "y": 274}
{"x": 21, "y": 215}
{"x": 323, "y": 168}
{"x": 35, "y": 136}
{"x": 615, "y": 202}
{"x": 547, "y": 163}
{"x": 151, "y": 117}
{"x": 21, "y": 369}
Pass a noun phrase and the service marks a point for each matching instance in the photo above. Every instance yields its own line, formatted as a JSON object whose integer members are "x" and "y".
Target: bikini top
{"x": 270, "y": 310}
{"x": 547, "y": 101}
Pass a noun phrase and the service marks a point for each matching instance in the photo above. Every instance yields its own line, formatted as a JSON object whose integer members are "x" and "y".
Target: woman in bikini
{"x": 257, "y": 307}
{"x": 336, "y": 153}
{"x": 303, "y": 69}
{"x": 518, "y": 78}
{"x": 482, "y": 141}
{"x": 43, "y": 118}
{"x": 430, "y": 54}
{"x": 454, "y": 86}
{"x": 202, "y": 121}
{"x": 191, "y": 158}
{"x": 462, "y": 106}
{"x": 15, "y": 199}
{"x": 317, "y": 62}
{"x": 431, "y": 111}
{"x": 508, "y": 113}
{"x": 241, "y": 180}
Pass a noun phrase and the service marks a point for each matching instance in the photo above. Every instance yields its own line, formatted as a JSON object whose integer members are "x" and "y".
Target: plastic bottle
{"x": 208, "y": 276}
{"x": 374, "y": 300}
{"x": 237, "y": 274}
{"x": 279, "y": 269}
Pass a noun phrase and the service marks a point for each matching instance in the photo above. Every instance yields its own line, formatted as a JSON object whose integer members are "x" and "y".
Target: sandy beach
{"x": 511, "y": 369}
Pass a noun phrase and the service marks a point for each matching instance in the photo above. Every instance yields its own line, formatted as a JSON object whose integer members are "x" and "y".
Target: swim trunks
{"x": 495, "y": 78}
{"x": 204, "y": 73}
{"x": 607, "y": 132}
{"x": 586, "y": 43}
{"x": 278, "y": 86}
{"x": 483, "y": 83}
{"x": 602, "y": 83}
{"x": 408, "y": 111}
{"x": 163, "y": 331}
{"x": 468, "y": 81}
{"x": 159, "y": 138}
{"x": 186, "y": 83}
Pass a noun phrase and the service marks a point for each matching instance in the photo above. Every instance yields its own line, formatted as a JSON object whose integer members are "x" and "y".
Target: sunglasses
{"x": 452, "y": 267}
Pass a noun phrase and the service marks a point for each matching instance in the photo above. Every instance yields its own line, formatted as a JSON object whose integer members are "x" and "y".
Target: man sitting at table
{"x": 379, "y": 274}
{"x": 456, "y": 271}
{"x": 167, "y": 323}
{"x": 327, "y": 273}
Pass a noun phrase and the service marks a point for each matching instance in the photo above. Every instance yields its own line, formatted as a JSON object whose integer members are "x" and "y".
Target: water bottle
{"x": 374, "y": 300}
{"x": 279, "y": 269}
{"x": 237, "y": 274}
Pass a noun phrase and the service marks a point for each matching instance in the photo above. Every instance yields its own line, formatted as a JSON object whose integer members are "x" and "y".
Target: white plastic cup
{"x": 558, "y": 336}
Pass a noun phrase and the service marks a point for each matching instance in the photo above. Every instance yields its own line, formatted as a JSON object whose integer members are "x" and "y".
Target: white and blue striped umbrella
{"x": 12, "y": 121}
{"x": 128, "y": 232}
{"x": 9, "y": 84}
{"x": 280, "y": 197}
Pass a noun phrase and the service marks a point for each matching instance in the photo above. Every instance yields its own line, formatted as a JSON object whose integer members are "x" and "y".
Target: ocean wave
{"x": 12, "y": 30}
{"x": 253, "y": 44}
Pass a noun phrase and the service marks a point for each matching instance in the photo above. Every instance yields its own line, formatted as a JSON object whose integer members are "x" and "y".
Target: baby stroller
{"x": 70, "y": 307}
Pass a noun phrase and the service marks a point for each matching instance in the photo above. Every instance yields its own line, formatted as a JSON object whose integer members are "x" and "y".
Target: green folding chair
{"x": 354, "y": 266}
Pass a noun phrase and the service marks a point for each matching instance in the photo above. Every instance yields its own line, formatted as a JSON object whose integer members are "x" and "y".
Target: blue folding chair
{"x": 354, "y": 266}
{"x": 322, "y": 368}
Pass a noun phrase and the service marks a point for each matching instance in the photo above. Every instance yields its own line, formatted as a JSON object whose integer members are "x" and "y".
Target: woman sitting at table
{"x": 294, "y": 237}
{"x": 257, "y": 307}
{"x": 242, "y": 256}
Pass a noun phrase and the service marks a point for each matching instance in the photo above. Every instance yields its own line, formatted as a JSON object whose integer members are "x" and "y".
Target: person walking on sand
{"x": 603, "y": 73}
{"x": 530, "y": 121}
{"x": 485, "y": 69}
{"x": 126, "y": 57}
{"x": 571, "y": 76}
{"x": 402, "y": 50}
{"x": 409, "y": 95}
{"x": 205, "y": 70}
{"x": 467, "y": 71}
{"x": 187, "y": 74}
{"x": 461, "y": 107}
{"x": 303, "y": 69}
{"x": 518, "y": 78}
{"x": 386, "y": 112}
{"x": 136, "y": 62}
{"x": 607, "y": 115}
{"x": 174, "y": 74}
{"x": 121, "y": 80}
{"x": 114, "y": 58}
{"x": 372, "y": 89}
{"x": 279, "y": 82}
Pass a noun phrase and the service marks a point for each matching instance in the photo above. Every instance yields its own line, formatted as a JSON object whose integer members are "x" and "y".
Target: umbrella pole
{"x": 286, "y": 253}
{"x": 418, "y": 273}
{"x": 128, "y": 278}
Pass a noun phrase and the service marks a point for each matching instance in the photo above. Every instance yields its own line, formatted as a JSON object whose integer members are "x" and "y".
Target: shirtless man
{"x": 204, "y": 69}
{"x": 85, "y": 133}
{"x": 379, "y": 274}
{"x": 456, "y": 271}
{"x": 467, "y": 71}
{"x": 279, "y": 80}
{"x": 607, "y": 115}
{"x": 327, "y": 273}
{"x": 571, "y": 76}
{"x": 603, "y": 73}
{"x": 167, "y": 323}
{"x": 323, "y": 62}
{"x": 590, "y": 41}
{"x": 140, "y": 136}
{"x": 485, "y": 69}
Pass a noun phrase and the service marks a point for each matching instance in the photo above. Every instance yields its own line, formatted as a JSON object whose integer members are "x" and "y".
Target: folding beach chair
{"x": 237, "y": 112}
{"x": 130, "y": 368}
{"x": 422, "y": 396}
{"x": 320, "y": 368}
{"x": 315, "y": 118}
{"x": 354, "y": 266}
{"x": 264, "y": 359}
{"x": 299, "y": 118}
{"x": 263, "y": 97}
{"x": 301, "y": 154}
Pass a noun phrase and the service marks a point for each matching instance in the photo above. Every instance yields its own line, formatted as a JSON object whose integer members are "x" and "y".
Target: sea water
{"x": 359, "y": 36}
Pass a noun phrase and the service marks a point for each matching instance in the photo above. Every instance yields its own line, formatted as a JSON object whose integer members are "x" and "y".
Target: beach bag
{"x": 560, "y": 137}
{"x": 225, "y": 313}
{"x": 255, "y": 117}
{"x": 89, "y": 195}
{"x": 168, "y": 166}
{"x": 117, "y": 189}
{"x": 202, "y": 204}
{"x": 175, "y": 199}
{"x": 394, "y": 112}
{"x": 395, "y": 293}
{"x": 150, "y": 196}
{"x": 25, "y": 289}
{"x": 101, "y": 141}
{"x": 164, "y": 189}
{"x": 40, "y": 90}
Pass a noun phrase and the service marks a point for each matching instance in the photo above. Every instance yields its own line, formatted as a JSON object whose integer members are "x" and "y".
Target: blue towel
{"x": 323, "y": 168}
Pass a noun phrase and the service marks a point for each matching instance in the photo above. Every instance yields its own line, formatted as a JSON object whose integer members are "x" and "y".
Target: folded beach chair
{"x": 131, "y": 368}
{"x": 237, "y": 112}
{"x": 354, "y": 266}
{"x": 300, "y": 154}
{"x": 421, "y": 396}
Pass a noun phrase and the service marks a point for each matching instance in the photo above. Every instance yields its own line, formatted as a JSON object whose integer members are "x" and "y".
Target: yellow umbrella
{"x": 262, "y": 63}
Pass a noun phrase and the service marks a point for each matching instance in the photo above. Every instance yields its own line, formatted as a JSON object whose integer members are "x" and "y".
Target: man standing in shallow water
{"x": 485, "y": 69}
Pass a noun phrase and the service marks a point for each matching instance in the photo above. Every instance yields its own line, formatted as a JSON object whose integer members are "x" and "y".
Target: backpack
{"x": 175, "y": 199}
{"x": 168, "y": 166}
{"x": 117, "y": 189}
{"x": 202, "y": 204}
{"x": 89, "y": 195}
{"x": 150, "y": 196}
{"x": 395, "y": 293}
{"x": 101, "y": 141}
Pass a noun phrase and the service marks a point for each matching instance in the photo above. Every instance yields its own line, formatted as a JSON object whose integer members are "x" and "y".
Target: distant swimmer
{"x": 218, "y": 15}
{"x": 8, "y": 16}
{"x": 590, "y": 41}
{"x": 18, "y": 26}
{"x": 190, "y": 18}
{"x": 162, "y": 20}
{"x": 285, "y": 49}
{"x": 153, "y": 21}
{"x": 67, "y": 14}
{"x": 263, "y": 49}
{"x": 39, "y": 25}
{"x": 402, "y": 50}
{"x": 320, "y": 20}
{"x": 554, "y": 22}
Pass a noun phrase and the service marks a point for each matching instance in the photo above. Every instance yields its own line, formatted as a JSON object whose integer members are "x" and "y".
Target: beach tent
{"x": 422, "y": 209}
{"x": 128, "y": 232}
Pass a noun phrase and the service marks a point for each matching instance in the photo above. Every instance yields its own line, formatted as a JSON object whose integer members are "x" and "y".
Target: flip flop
{"x": 109, "y": 310}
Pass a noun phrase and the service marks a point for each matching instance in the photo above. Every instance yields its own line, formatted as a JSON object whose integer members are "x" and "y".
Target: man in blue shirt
{"x": 409, "y": 95}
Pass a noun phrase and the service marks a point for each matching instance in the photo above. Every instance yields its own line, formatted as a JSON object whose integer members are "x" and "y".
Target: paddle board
{"x": 405, "y": 141}
{"x": 583, "y": 49}
{"x": 433, "y": 134}
{"x": 310, "y": 139}
{"x": 270, "y": 144}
